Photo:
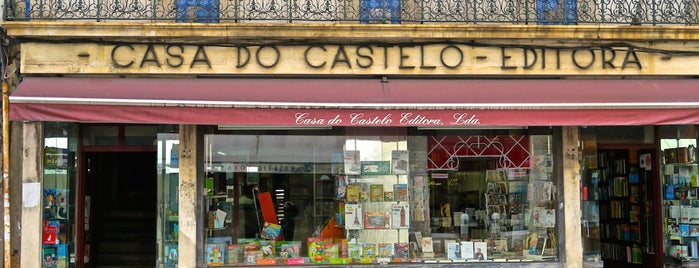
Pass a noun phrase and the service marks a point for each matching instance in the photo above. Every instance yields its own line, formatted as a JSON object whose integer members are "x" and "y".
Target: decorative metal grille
{"x": 364, "y": 11}
{"x": 511, "y": 151}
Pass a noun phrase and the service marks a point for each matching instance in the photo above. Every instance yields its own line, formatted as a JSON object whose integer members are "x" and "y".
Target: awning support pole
{"x": 6, "y": 173}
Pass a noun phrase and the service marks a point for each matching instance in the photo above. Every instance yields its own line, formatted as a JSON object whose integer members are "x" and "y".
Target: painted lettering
{"x": 307, "y": 120}
{"x": 359, "y": 119}
{"x": 419, "y": 120}
{"x": 464, "y": 119}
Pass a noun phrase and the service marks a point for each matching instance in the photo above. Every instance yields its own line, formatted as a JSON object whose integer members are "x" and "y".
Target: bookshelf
{"x": 680, "y": 205}
{"x": 618, "y": 190}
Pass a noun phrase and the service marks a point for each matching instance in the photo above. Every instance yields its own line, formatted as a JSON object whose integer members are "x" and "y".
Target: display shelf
{"x": 680, "y": 205}
{"x": 618, "y": 188}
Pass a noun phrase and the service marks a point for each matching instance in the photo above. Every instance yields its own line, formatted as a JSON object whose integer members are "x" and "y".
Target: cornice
{"x": 346, "y": 33}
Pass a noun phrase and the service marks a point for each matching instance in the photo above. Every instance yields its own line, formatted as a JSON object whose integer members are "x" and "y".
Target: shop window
{"x": 100, "y": 136}
{"x": 380, "y": 11}
{"x": 140, "y": 135}
{"x": 58, "y": 199}
{"x": 680, "y": 187}
{"x": 556, "y": 11}
{"x": 295, "y": 199}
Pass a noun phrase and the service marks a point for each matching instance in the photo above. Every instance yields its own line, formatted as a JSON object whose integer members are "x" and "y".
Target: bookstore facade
{"x": 319, "y": 169}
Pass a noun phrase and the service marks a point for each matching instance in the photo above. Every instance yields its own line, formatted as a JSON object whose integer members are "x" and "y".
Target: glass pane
{"x": 168, "y": 214}
{"x": 140, "y": 135}
{"x": 58, "y": 233}
{"x": 680, "y": 181}
{"x": 101, "y": 136}
{"x": 280, "y": 200}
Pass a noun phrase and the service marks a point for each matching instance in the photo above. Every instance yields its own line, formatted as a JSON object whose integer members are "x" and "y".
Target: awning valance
{"x": 357, "y": 102}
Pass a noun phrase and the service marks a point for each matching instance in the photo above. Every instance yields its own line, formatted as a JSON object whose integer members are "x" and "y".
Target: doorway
{"x": 121, "y": 221}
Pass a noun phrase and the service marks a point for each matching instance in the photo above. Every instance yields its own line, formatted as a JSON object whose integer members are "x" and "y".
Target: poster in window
{"x": 399, "y": 162}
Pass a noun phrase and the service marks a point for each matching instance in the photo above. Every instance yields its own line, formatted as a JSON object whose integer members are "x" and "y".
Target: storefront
{"x": 403, "y": 167}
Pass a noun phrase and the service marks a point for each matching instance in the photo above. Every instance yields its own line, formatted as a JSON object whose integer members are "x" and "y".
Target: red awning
{"x": 357, "y": 102}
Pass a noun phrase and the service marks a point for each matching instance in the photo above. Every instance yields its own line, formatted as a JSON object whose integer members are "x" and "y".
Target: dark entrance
{"x": 121, "y": 187}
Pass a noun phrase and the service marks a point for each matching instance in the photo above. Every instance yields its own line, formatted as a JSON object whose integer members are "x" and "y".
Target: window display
{"x": 58, "y": 228}
{"x": 680, "y": 202}
{"x": 282, "y": 200}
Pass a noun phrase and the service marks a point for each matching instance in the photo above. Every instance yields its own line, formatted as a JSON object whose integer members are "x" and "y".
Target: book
{"x": 353, "y": 191}
{"x": 376, "y": 167}
{"x": 427, "y": 244}
{"x": 376, "y": 220}
{"x": 376, "y": 193}
{"x": 480, "y": 251}
{"x": 331, "y": 250}
{"x": 354, "y": 250}
{"x": 268, "y": 249}
{"x": 453, "y": 250}
{"x": 400, "y": 192}
{"x": 290, "y": 249}
{"x": 341, "y": 187}
{"x": 369, "y": 250}
{"x": 50, "y": 232}
{"x": 49, "y": 258}
{"x": 467, "y": 250}
{"x": 388, "y": 196}
{"x": 353, "y": 217}
{"x": 352, "y": 165}
{"x": 62, "y": 256}
{"x": 385, "y": 249}
{"x": 271, "y": 230}
{"x": 214, "y": 254}
{"x": 400, "y": 214}
{"x": 399, "y": 162}
{"x": 402, "y": 250}
{"x": 172, "y": 255}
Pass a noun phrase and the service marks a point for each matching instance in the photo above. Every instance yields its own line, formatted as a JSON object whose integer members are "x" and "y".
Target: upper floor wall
{"x": 626, "y": 12}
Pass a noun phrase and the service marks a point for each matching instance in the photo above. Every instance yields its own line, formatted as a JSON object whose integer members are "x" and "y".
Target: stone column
{"x": 29, "y": 170}
{"x": 571, "y": 198}
{"x": 191, "y": 172}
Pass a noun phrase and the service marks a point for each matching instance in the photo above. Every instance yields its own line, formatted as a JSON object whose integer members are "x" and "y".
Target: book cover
{"x": 268, "y": 249}
{"x": 62, "y": 256}
{"x": 400, "y": 214}
{"x": 341, "y": 184}
{"x": 234, "y": 254}
{"x": 480, "y": 250}
{"x": 402, "y": 250}
{"x": 352, "y": 165}
{"x": 50, "y": 233}
{"x": 427, "y": 244}
{"x": 363, "y": 192}
{"x": 399, "y": 162}
{"x": 376, "y": 220}
{"x": 49, "y": 258}
{"x": 453, "y": 250}
{"x": 388, "y": 196}
{"x": 385, "y": 249}
{"x": 214, "y": 254}
{"x": 400, "y": 192}
{"x": 290, "y": 249}
{"x": 376, "y": 167}
{"x": 369, "y": 250}
{"x": 467, "y": 250}
{"x": 376, "y": 193}
{"x": 171, "y": 251}
{"x": 353, "y": 191}
{"x": 354, "y": 250}
{"x": 271, "y": 230}
{"x": 353, "y": 217}
{"x": 684, "y": 230}
{"x": 331, "y": 250}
